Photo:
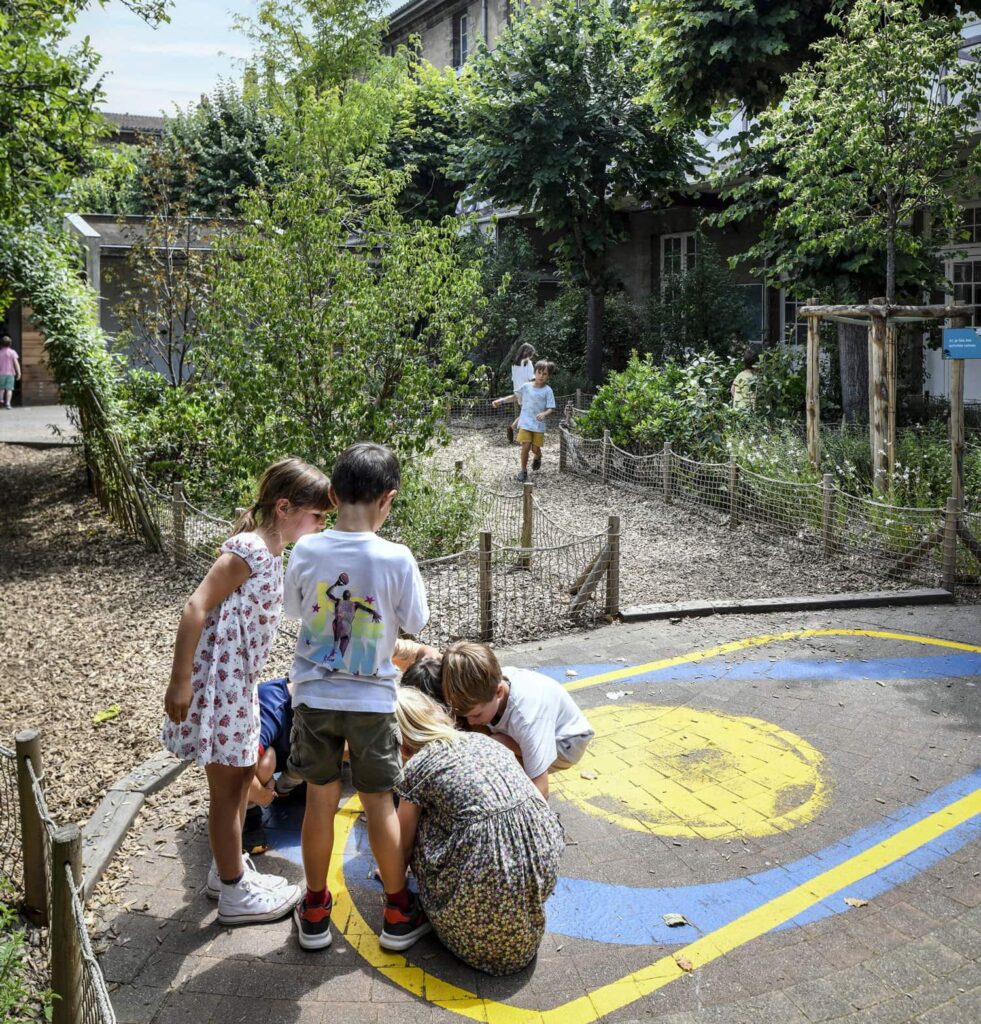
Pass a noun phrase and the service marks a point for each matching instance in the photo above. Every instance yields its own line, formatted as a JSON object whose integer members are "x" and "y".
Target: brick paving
{"x": 894, "y": 737}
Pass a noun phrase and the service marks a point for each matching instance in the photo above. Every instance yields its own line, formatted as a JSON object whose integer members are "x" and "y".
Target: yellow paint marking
{"x": 757, "y": 641}
{"x": 618, "y": 994}
{"x": 671, "y": 786}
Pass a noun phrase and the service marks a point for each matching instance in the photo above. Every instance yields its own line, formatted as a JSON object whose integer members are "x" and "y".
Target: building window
{"x": 461, "y": 39}
{"x": 753, "y": 316}
{"x": 677, "y": 255}
{"x": 793, "y": 327}
{"x": 970, "y": 226}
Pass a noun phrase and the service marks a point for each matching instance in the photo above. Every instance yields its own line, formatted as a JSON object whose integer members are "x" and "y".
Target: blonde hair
{"x": 301, "y": 484}
{"x": 471, "y": 675}
{"x": 421, "y": 720}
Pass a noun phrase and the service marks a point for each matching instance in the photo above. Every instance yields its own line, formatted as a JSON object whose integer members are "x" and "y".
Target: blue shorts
{"x": 275, "y": 720}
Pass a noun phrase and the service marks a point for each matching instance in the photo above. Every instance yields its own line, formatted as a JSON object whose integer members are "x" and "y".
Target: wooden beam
{"x": 879, "y": 401}
{"x": 813, "y": 401}
{"x": 889, "y": 310}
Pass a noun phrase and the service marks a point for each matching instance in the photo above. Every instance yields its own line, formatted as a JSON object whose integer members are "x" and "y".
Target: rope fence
{"x": 929, "y": 546}
{"x": 42, "y": 863}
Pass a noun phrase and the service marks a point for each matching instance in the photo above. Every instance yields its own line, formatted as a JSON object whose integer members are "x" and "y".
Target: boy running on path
{"x": 537, "y": 404}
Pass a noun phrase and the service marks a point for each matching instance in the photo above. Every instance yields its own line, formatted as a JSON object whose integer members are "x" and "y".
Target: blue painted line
{"x": 920, "y": 667}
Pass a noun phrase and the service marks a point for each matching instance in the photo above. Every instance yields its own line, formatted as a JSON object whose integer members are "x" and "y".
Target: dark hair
{"x": 750, "y": 357}
{"x": 297, "y": 481}
{"x": 5, "y": 341}
{"x": 426, "y": 675}
{"x": 546, "y": 365}
{"x": 364, "y": 472}
{"x": 524, "y": 352}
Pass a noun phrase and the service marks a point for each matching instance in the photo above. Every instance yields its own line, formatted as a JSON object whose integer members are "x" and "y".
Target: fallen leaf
{"x": 674, "y": 920}
{"x": 853, "y": 901}
{"x": 617, "y": 694}
{"x": 589, "y": 773}
{"x": 683, "y": 962}
{"x": 106, "y": 713}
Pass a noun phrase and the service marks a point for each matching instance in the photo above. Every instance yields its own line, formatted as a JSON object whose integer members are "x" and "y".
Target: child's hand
{"x": 177, "y": 700}
{"x": 495, "y": 403}
{"x": 541, "y": 417}
{"x": 266, "y": 794}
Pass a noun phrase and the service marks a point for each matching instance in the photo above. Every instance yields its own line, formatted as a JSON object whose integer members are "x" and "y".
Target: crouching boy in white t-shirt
{"x": 525, "y": 710}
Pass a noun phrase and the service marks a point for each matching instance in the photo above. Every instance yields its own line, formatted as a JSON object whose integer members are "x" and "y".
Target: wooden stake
{"x": 828, "y": 515}
{"x": 28, "y": 748}
{"x": 891, "y": 375}
{"x": 484, "y": 587}
{"x": 666, "y": 472}
{"x": 879, "y": 400}
{"x": 733, "y": 494}
{"x": 957, "y": 431}
{"x": 562, "y": 451}
{"x": 578, "y": 398}
{"x": 613, "y": 569}
{"x": 458, "y": 469}
{"x": 179, "y": 517}
{"x": 950, "y": 545}
{"x": 606, "y": 457}
{"x": 813, "y": 405}
{"x": 589, "y": 584}
{"x": 527, "y": 519}
{"x": 66, "y": 956}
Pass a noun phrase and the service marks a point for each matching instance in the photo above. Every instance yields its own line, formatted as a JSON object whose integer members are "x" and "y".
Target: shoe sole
{"x": 396, "y": 943}
{"x": 283, "y": 910}
{"x": 311, "y": 942}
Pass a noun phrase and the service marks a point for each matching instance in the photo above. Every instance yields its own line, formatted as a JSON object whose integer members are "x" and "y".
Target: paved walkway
{"x": 804, "y": 790}
{"x": 32, "y": 424}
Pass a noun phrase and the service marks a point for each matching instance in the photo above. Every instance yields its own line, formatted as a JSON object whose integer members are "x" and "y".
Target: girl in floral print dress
{"x": 223, "y": 640}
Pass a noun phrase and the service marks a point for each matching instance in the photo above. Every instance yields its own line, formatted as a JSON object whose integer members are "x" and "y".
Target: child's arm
{"x": 408, "y": 652}
{"x": 504, "y": 401}
{"x": 542, "y": 416}
{"x": 227, "y": 574}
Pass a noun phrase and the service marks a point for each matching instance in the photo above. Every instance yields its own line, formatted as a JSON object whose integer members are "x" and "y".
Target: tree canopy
{"x": 553, "y": 128}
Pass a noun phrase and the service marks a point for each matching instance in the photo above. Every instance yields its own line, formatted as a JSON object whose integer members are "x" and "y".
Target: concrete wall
{"x": 434, "y": 27}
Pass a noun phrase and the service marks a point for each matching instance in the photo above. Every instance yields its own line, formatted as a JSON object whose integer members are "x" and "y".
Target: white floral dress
{"x": 222, "y": 725}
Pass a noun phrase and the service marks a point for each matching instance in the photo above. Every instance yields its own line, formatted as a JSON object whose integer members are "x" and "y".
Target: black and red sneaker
{"x": 403, "y": 928}
{"x": 313, "y": 924}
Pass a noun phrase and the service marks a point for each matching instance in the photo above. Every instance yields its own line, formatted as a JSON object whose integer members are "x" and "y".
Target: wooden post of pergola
{"x": 814, "y": 389}
{"x": 879, "y": 397}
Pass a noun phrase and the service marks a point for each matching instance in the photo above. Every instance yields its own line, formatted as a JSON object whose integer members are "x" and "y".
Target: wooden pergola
{"x": 881, "y": 319}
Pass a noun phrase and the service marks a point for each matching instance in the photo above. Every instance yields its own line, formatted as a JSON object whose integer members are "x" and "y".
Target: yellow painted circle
{"x": 676, "y": 771}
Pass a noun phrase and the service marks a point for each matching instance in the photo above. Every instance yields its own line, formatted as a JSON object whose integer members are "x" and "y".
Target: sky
{"x": 149, "y": 71}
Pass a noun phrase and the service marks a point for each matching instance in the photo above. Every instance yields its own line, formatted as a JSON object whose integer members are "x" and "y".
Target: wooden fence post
{"x": 484, "y": 588}
{"x": 578, "y": 398}
{"x": 950, "y": 545}
{"x": 605, "y": 464}
{"x": 562, "y": 452}
{"x": 28, "y": 748}
{"x": 180, "y": 519}
{"x": 449, "y": 412}
{"x": 733, "y": 493}
{"x": 527, "y": 520}
{"x": 666, "y": 472}
{"x": 613, "y": 570}
{"x": 878, "y": 401}
{"x": 828, "y": 515}
{"x": 814, "y": 389}
{"x": 66, "y": 955}
{"x": 458, "y": 469}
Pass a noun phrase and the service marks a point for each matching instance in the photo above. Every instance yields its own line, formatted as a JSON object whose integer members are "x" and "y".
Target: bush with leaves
{"x": 109, "y": 184}
{"x": 433, "y": 515}
{"x": 684, "y": 403}
{"x": 781, "y": 383}
{"x": 20, "y": 1002}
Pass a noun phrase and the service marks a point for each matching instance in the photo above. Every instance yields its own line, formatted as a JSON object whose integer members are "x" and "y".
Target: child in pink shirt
{"x": 9, "y": 371}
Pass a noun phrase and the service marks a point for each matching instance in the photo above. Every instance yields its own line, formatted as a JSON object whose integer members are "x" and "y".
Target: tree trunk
{"x": 595, "y": 308}
{"x": 853, "y": 357}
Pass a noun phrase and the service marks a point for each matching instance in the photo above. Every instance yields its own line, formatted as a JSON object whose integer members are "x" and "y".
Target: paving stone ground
{"x": 807, "y": 768}
{"x": 40, "y": 425}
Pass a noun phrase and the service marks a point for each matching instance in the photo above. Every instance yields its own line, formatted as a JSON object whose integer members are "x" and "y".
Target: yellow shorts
{"x": 535, "y": 437}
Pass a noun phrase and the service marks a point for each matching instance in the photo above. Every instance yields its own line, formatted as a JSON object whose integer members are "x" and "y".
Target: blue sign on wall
{"x": 962, "y": 343}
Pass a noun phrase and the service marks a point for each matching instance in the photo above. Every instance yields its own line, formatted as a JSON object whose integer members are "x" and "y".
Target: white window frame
{"x": 784, "y": 325}
{"x": 689, "y": 252}
{"x": 463, "y": 27}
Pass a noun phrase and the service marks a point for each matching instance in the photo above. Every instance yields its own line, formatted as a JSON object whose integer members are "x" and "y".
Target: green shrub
{"x": 19, "y": 1002}
{"x": 781, "y": 386}
{"x": 433, "y": 515}
{"x": 646, "y": 405}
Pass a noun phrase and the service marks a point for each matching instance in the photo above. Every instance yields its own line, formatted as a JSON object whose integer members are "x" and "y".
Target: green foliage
{"x": 701, "y": 310}
{"x": 647, "y": 404}
{"x": 19, "y": 1002}
{"x": 870, "y": 134}
{"x": 214, "y": 152}
{"x": 433, "y": 516}
{"x": 552, "y": 127}
{"x": 109, "y": 183}
{"x": 781, "y": 384}
{"x": 713, "y": 52}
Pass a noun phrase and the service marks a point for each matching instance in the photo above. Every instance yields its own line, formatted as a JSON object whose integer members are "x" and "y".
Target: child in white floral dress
{"x": 223, "y": 640}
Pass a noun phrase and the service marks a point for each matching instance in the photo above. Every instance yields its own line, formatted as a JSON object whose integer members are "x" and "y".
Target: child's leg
{"x": 384, "y": 838}
{"x": 317, "y": 835}
{"x": 537, "y": 452}
{"x": 525, "y": 449}
{"x": 228, "y": 791}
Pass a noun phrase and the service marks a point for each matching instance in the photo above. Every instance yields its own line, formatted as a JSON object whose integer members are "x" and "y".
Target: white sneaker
{"x": 249, "y": 903}
{"x": 213, "y": 888}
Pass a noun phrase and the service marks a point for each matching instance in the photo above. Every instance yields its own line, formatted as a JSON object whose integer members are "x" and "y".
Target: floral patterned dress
{"x": 487, "y": 850}
{"x": 222, "y": 725}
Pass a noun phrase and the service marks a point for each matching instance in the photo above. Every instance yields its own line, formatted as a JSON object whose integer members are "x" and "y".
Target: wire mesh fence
{"x": 928, "y": 546}
{"x": 479, "y": 411}
{"x": 11, "y": 870}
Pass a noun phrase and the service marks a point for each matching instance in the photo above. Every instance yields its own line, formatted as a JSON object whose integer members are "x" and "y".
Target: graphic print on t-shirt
{"x": 348, "y": 627}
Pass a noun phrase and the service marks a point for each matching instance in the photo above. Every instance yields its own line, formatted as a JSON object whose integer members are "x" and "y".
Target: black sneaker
{"x": 510, "y": 434}
{"x": 536, "y": 462}
{"x": 313, "y": 924}
{"x": 254, "y": 833}
{"x": 402, "y": 929}
{"x": 522, "y": 477}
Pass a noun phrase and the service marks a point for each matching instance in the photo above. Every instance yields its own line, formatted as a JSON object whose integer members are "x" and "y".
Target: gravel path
{"x": 668, "y": 552}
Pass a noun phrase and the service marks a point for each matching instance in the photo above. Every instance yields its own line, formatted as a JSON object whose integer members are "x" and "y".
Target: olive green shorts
{"x": 317, "y": 747}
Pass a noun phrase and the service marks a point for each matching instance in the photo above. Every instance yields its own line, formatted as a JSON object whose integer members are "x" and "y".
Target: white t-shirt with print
{"x": 352, "y": 593}
{"x": 538, "y": 714}
{"x": 533, "y": 401}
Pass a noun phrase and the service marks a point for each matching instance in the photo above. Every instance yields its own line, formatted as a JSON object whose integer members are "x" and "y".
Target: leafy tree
{"x": 552, "y": 127}
{"x": 707, "y": 53}
{"x": 109, "y": 183}
{"x": 221, "y": 147}
{"x": 876, "y": 131}
{"x": 48, "y": 119}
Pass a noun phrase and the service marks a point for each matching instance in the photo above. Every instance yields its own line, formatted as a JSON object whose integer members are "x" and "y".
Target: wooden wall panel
{"x": 37, "y": 385}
